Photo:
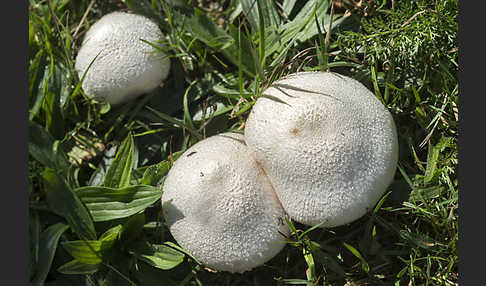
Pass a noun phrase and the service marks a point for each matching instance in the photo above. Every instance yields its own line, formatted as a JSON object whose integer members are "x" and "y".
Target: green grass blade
{"x": 176, "y": 122}
{"x": 321, "y": 49}
{"x": 310, "y": 229}
{"x": 380, "y": 202}
{"x": 375, "y": 85}
{"x": 356, "y": 253}
{"x": 261, "y": 35}
{"x": 187, "y": 114}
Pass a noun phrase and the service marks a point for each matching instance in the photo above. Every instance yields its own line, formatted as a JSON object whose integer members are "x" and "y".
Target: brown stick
{"x": 83, "y": 18}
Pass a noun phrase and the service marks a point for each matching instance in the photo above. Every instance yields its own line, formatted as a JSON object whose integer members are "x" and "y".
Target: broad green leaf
{"x": 132, "y": 227}
{"x": 152, "y": 276}
{"x": 42, "y": 148}
{"x": 177, "y": 247}
{"x": 118, "y": 175}
{"x": 86, "y": 251}
{"x": 65, "y": 203}
{"x": 56, "y": 92}
{"x": 54, "y": 120}
{"x": 34, "y": 234}
{"x": 112, "y": 233}
{"x": 47, "y": 248}
{"x": 155, "y": 173}
{"x": 111, "y": 203}
{"x": 287, "y": 6}
{"x": 77, "y": 267}
{"x": 91, "y": 251}
{"x": 37, "y": 97}
{"x": 158, "y": 255}
{"x": 35, "y": 68}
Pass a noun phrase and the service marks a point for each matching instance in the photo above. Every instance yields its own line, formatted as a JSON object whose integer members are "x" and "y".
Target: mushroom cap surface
{"x": 126, "y": 66}
{"x": 221, "y": 208}
{"x": 327, "y": 144}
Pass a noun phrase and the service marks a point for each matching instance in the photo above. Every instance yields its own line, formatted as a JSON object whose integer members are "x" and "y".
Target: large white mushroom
{"x": 327, "y": 144}
{"x": 126, "y": 66}
{"x": 221, "y": 208}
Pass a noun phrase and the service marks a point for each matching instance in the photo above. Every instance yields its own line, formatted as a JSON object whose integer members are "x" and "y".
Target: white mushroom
{"x": 327, "y": 144}
{"x": 126, "y": 66}
{"x": 221, "y": 208}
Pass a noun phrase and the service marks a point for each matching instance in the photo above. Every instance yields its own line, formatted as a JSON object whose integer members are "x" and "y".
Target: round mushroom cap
{"x": 126, "y": 67}
{"x": 327, "y": 144}
{"x": 221, "y": 208}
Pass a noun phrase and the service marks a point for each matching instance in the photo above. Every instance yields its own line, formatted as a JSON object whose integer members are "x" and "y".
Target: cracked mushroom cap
{"x": 220, "y": 207}
{"x": 126, "y": 66}
{"x": 327, "y": 144}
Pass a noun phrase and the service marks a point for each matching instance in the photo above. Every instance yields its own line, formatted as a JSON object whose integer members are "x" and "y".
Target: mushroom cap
{"x": 221, "y": 208}
{"x": 126, "y": 66}
{"x": 327, "y": 144}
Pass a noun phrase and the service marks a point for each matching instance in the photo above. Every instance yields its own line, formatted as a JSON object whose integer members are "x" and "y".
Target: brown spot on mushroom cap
{"x": 294, "y": 131}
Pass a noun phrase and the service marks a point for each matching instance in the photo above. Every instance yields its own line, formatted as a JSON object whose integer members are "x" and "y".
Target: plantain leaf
{"x": 158, "y": 255}
{"x": 287, "y": 6}
{"x": 34, "y": 235}
{"x": 65, "y": 203}
{"x": 43, "y": 148}
{"x": 77, "y": 267}
{"x": 153, "y": 174}
{"x": 132, "y": 227}
{"x": 85, "y": 251}
{"x": 91, "y": 251}
{"x": 111, "y": 203}
{"x": 47, "y": 248}
{"x": 118, "y": 175}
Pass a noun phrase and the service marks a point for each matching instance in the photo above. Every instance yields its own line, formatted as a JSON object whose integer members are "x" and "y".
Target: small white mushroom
{"x": 126, "y": 66}
{"x": 221, "y": 208}
{"x": 327, "y": 144}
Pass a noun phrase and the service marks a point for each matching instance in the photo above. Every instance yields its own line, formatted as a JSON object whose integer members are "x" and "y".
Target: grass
{"x": 85, "y": 155}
